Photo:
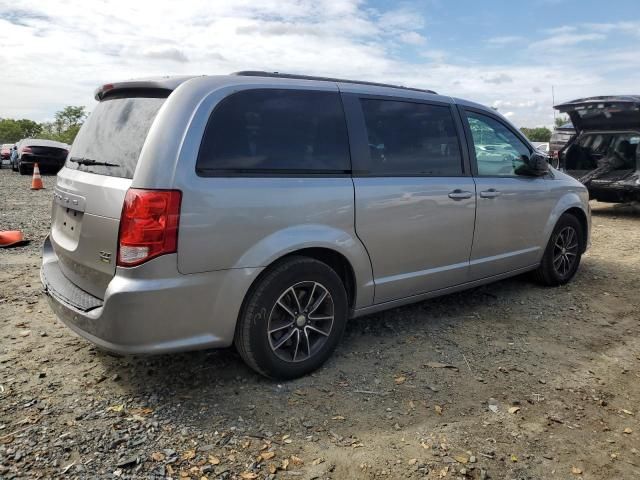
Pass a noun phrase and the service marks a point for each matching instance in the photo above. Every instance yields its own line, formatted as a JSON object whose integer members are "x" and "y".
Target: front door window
{"x": 499, "y": 152}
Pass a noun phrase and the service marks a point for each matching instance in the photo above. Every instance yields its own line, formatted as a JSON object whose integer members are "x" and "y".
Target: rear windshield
{"x": 114, "y": 134}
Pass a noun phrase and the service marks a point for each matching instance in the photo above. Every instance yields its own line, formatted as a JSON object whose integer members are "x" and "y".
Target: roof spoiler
{"x": 160, "y": 85}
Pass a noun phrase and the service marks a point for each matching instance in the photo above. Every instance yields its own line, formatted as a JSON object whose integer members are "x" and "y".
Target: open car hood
{"x": 603, "y": 113}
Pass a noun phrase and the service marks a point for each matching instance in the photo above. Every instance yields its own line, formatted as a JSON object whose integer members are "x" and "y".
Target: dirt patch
{"x": 507, "y": 381}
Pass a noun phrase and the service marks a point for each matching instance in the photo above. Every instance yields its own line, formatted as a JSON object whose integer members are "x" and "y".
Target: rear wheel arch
{"x": 335, "y": 260}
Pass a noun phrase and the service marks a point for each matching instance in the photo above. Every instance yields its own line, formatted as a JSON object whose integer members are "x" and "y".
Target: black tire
{"x": 270, "y": 303}
{"x": 559, "y": 266}
{"x": 22, "y": 169}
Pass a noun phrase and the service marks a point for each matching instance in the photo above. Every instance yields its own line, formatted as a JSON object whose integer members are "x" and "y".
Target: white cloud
{"x": 55, "y": 53}
{"x": 497, "y": 78}
{"x": 564, "y": 29}
{"x": 169, "y": 53}
{"x": 507, "y": 104}
{"x": 413, "y": 38}
{"x": 402, "y": 19}
{"x": 616, "y": 27}
{"x": 505, "y": 40}
{"x": 566, "y": 39}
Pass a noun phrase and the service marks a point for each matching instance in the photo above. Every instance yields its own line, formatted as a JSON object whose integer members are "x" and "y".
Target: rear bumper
{"x": 43, "y": 162}
{"x": 151, "y": 308}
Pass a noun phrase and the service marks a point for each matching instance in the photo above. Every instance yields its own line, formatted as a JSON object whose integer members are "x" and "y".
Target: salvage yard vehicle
{"x": 266, "y": 209}
{"x": 559, "y": 138}
{"x": 605, "y": 154}
{"x": 48, "y": 154}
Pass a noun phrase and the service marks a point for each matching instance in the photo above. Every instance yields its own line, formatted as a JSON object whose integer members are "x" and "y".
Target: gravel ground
{"x": 507, "y": 381}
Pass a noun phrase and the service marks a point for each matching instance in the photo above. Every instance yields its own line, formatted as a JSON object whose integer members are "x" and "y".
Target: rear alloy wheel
{"x": 563, "y": 253}
{"x": 300, "y": 322}
{"x": 292, "y": 319}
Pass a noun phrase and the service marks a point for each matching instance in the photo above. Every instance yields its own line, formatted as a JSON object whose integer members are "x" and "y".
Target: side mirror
{"x": 539, "y": 161}
{"x": 536, "y": 165}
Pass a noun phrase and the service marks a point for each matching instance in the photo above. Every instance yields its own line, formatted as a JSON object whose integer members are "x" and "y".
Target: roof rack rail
{"x": 258, "y": 73}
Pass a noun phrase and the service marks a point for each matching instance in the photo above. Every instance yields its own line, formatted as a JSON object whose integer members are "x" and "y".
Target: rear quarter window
{"x": 276, "y": 131}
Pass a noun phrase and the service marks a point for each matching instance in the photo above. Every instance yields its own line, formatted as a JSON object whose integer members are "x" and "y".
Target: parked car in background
{"x": 48, "y": 154}
{"x": 605, "y": 155}
{"x": 541, "y": 146}
{"x": 267, "y": 209}
{"x": 5, "y": 153}
{"x": 559, "y": 138}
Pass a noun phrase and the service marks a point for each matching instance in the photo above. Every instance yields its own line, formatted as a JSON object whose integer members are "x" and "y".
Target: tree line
{"x": 542, "y": 134}
{"x": 63, "y": 128}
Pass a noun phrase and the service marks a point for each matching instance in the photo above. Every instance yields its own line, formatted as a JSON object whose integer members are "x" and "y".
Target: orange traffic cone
{"x": 36, "y": 181}
{"x": 11, "y": 237}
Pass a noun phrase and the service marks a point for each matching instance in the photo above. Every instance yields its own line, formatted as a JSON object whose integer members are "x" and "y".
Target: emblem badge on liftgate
{"x": 105, "y": 256}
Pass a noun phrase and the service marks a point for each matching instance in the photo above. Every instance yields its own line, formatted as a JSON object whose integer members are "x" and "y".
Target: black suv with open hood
{"x": 605, "y": 155}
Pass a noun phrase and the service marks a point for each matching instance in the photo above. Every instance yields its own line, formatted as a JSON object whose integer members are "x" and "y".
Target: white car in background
{"x": 542, "y": 146}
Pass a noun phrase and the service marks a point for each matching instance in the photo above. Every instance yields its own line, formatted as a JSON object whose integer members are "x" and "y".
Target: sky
{"x": 506, "y": 54}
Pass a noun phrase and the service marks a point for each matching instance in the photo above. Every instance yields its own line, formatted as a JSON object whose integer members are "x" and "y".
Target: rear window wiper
{"x": 89, "y": 161}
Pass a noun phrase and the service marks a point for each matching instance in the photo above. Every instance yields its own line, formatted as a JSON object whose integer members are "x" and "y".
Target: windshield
{"x": 110, "y": 141}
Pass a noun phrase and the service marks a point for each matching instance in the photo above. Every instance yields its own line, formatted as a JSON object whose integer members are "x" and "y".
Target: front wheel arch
{"x": 582, "y": 218}
{"x": 549, "y": 272}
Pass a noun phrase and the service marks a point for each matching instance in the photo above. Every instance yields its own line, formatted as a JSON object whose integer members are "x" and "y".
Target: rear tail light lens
{"x": 26, "y": 150}
{"x": 148, "y": 225}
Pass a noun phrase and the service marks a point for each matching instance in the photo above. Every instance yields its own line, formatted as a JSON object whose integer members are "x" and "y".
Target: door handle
{"x": 460, "y": 194}
{"x": 491, "y": 193}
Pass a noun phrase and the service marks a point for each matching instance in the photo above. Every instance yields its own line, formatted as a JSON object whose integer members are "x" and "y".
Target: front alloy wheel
{"x": 565, "y": 251}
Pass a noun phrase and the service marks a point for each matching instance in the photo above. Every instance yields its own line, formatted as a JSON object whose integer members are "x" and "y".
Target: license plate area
{"x": 66, "y": 227}
{"x": 67, "y": 218}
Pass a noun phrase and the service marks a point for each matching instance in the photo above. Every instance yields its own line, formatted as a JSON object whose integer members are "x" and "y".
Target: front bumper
{"x": 150, "y": 308}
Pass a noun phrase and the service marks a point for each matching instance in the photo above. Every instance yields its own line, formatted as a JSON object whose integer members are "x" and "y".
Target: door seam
{"x": 355, "y": 231}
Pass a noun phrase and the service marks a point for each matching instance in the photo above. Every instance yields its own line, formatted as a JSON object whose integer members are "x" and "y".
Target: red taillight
{"x": 148, "y": 225}
{"x": 26, "y": 150}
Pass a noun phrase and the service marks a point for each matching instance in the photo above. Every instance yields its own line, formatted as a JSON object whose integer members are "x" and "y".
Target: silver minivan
{"x": 267, "y": 209}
